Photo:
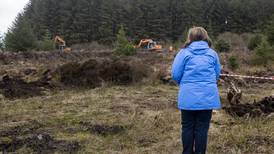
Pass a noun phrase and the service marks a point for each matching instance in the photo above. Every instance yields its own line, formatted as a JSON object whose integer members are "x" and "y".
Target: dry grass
{"x": 146, "y": 114}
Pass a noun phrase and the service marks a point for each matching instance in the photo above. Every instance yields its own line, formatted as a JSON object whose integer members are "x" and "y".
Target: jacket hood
{"x": 198, "y": 47}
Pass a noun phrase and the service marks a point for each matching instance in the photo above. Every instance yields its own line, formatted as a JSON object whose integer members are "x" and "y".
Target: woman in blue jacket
{"x": 196, "y": 69}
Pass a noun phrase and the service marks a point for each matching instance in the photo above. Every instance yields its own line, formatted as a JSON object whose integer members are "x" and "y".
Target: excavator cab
{"x": 151, "y": 45}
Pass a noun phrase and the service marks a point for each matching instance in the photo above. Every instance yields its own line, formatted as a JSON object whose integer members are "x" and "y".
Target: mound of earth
{"x": 257, "y": 109}
{"x": 91, "y": 74}
{"x": 94, "y": 72}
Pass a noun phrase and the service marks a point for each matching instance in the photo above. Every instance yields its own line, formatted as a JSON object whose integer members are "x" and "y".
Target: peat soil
{"x": 256, "y": 109}
{"x": 34, "y": 138}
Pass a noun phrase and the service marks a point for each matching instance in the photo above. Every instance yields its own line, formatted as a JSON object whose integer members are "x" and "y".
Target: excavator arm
{"x": 149, "y": 44}
{"x": 59, "y": 40}
{"x": 62, "y": 44}
{"x": 144, "y": 42}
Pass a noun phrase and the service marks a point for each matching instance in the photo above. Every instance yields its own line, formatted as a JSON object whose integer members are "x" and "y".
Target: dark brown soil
{"x": 32, "y": 136}
{"x": 257, "y": 109}
{"x": 146, "y": 142}
{"x": 39, "y": 143}
{"x": 102, "y": 129}
{"x": 15, "y": 87}
{"x": 21, "y": 129}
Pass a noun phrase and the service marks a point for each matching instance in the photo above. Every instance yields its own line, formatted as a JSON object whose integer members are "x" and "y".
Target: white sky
{"x": 8, "y": 11}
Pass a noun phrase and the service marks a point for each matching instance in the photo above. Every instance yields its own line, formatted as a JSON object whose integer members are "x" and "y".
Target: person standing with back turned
{"x": 196, "y": 69}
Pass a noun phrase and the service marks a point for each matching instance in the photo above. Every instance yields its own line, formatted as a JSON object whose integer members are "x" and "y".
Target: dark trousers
{"x": 195, "y": 125}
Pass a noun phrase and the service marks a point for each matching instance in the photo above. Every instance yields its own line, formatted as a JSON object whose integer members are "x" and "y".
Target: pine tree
{"x": 47, "y": 43}
{"x": 1, "y": 42}
{"x": 255, "y": 41}
{"x": 52, "y": 18}
{"x": 106, "y": 21}
{"x": 35, "y": 13}
{"x": 264, "y": 53}
{"x": 123, "y": 46}
{"x": 80, "y": 21}
{"x": 222, "y": 46}
{"x": 20, "y": 36}
{"x": 270, "y": 31}
{"x": 233, "y": 63}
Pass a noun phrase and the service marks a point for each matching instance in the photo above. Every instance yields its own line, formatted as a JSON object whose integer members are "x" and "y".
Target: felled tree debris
{"x": 234, "y": 94}
{"x": 257, "y": 109}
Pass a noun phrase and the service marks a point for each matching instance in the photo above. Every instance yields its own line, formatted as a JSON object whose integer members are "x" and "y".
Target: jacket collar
{"x": 199, "y": 45}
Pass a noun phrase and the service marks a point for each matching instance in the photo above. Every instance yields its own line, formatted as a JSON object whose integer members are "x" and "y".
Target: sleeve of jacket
{"x": 217, "y": 67}
{"x": 178, "y": 66}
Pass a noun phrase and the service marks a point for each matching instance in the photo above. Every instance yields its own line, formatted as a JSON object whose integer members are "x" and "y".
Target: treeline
{"x": 81, "y": 21}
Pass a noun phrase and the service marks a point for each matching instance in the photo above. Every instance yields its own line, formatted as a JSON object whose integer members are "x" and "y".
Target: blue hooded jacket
{"x": 196, "y": 69}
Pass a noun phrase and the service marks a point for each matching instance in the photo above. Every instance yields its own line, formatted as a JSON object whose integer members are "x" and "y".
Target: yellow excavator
{"x": 62, "y": 44}
{"x": 150, "y": 45}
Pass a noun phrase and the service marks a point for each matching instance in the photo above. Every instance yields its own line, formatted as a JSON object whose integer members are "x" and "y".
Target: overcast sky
{"x": 8, "y": 11}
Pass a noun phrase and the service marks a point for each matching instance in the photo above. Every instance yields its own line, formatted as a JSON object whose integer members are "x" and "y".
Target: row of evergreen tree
{"x": 81, "y": 21}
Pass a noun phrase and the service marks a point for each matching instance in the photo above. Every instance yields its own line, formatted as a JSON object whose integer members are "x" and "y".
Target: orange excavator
{"x": 62, "y": 44}
{"x": 150, "y": 45}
